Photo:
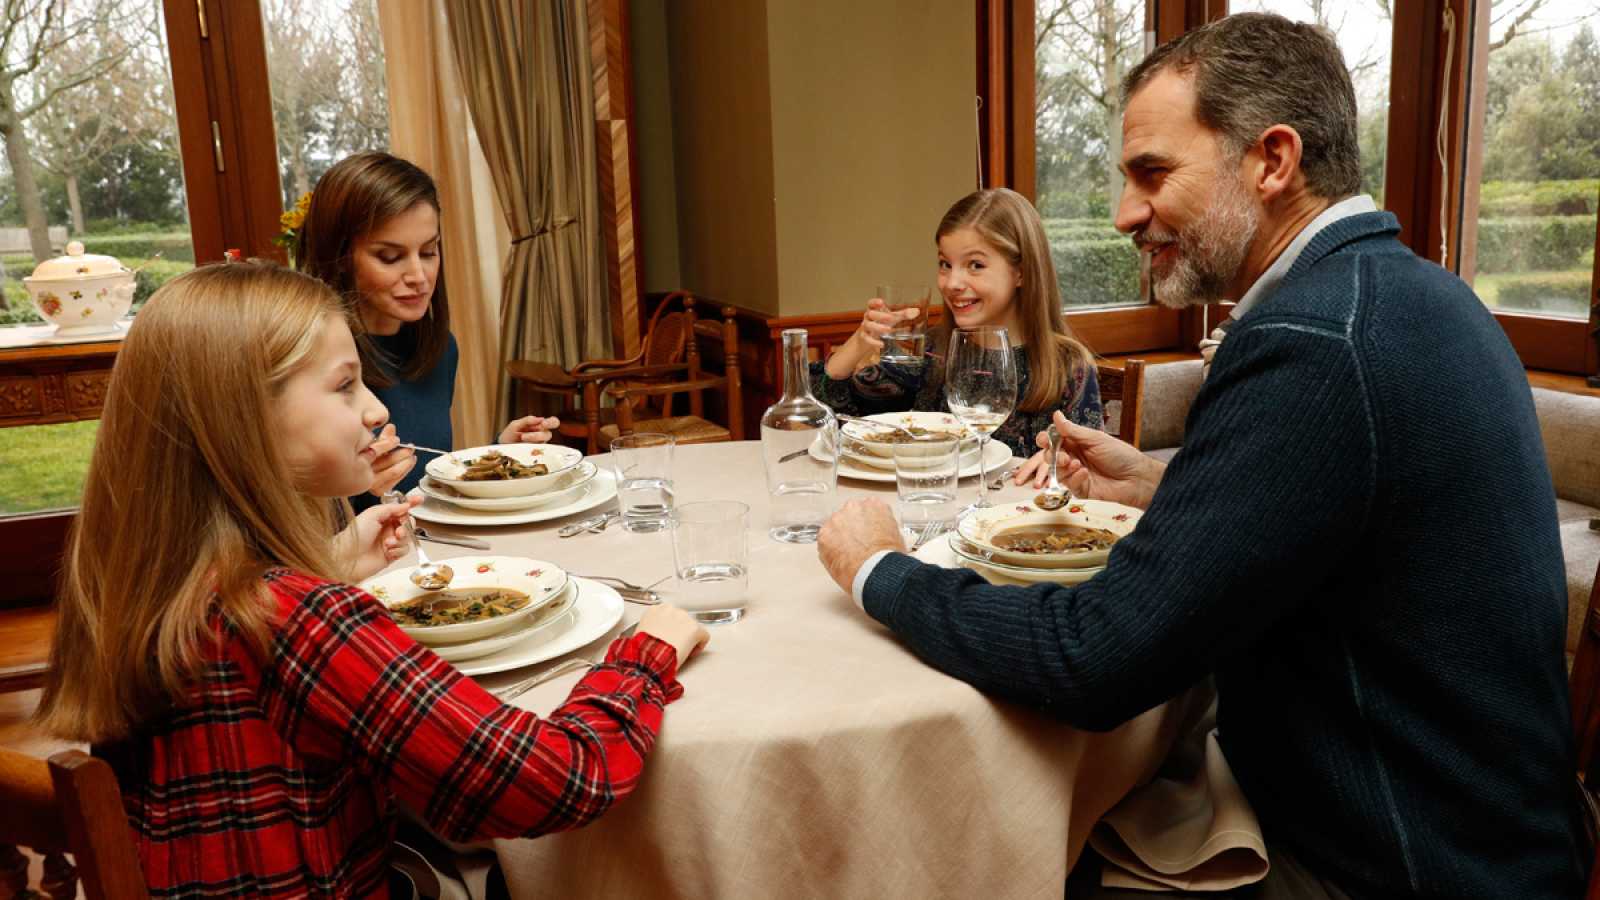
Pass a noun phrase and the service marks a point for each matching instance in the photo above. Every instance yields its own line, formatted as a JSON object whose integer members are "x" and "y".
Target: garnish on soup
{"x": 887, "y": 436}
{"x": 496, "y": 466}
{"x": 454, "y": 607}
{"x": 1054, "y": 539}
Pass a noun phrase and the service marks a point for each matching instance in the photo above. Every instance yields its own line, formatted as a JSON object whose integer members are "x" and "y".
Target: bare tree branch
{"x": 1511, "y": 30}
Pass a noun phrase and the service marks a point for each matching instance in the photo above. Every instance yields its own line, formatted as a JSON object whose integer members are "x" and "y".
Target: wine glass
{"x": 980, "y": 387}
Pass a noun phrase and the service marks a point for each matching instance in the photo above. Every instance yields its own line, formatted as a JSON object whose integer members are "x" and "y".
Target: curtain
{"x": 430, "y": 126}
{"x": 525, "y": 67}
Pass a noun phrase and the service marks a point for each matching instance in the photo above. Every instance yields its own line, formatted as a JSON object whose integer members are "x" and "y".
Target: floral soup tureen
{"x": 81, "y": 293}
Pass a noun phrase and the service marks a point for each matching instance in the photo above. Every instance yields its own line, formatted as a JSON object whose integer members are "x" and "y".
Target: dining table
{"x": 812, "y": 754}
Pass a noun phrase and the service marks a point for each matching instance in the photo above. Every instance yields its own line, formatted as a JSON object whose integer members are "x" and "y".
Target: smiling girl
{"x": 262, "y": 715}
{"x": 372, "y": 234}
{"x": 994, "y": 269}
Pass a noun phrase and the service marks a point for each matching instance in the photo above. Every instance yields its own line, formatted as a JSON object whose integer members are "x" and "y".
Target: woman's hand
{"x": 867, "y": 342}
{"x": 530, "y": 430}
{"x": 676, "y": 627}
{"x": 376, "y": 538}
{"x": 393, "y": 461}
{"x": 1096, "y": 465}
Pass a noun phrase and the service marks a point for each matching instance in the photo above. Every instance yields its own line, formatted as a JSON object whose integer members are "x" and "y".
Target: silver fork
{"x": 928, "y": 533}
{"x": 517, "y": 689}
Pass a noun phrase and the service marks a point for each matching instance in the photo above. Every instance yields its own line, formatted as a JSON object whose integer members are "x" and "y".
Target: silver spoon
{"x": 1055, "y": 495}
{"x": 428, "y": 575}
{"x": 875, "y": 424}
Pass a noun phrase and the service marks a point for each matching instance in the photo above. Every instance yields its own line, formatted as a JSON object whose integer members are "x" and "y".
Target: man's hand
{"x": 1096, "y": 465}
{"x": 859, "y": 529}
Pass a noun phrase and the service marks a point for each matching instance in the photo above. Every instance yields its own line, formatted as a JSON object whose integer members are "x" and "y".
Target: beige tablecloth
{"x": 813, "y": 755}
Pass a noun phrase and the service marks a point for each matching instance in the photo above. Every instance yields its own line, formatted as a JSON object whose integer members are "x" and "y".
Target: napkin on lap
{"x": 1188, "y": 829}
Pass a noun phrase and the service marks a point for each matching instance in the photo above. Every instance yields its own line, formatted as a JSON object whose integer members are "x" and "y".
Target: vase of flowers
{"x": 290, "y": 223}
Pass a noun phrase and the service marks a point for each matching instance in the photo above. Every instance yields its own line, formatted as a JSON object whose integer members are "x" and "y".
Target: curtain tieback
{"x": 558, "y": 224}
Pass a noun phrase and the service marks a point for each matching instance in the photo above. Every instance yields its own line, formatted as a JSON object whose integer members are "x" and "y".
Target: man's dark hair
{"x": 1255, "y": 70}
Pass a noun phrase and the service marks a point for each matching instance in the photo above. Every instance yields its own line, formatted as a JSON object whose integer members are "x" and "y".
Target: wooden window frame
{"x": 1007, "y": 155}
{"x": 1415, "y": 187}
{"x": 217, "y": 59}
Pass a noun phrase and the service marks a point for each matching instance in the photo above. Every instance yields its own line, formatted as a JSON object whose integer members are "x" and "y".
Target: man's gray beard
{"x": 1210, "y": 251}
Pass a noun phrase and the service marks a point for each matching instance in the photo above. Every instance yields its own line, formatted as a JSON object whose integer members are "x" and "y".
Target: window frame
{"x": 1415, "y": 187}
{"x": 217, "y": 61}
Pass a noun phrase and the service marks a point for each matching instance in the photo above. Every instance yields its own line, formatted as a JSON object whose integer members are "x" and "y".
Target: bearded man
{"x": 1358, "y": 538}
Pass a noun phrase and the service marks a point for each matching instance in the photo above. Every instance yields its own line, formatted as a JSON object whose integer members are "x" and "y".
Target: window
{"x": 329, "y": 93}
{"x": 1081, "y": 50}
{"x": 1533, "y": 231}
{"x": 94, "y": 158}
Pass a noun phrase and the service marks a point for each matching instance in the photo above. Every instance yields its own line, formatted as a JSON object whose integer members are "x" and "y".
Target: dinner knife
{"x": 454, "y": 539}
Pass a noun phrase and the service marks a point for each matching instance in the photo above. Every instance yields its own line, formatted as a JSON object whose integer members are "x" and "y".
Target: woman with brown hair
{"x": 994, "y": 269}
{"x": 372, "y": 234}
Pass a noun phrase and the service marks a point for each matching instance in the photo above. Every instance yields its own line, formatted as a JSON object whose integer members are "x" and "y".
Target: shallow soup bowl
{"x": 989, "y": 529}
{"x": 558, "y": 461}
{"x": 541, "y": 582}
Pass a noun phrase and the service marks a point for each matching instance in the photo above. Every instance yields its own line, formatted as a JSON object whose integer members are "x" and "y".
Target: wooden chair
{"x": 666, "y": 343}
{"x": 1123, "y": 386}
{"x": 69, "y": 804}
{"x": 629, "y": 387}
{"x": 1584, "y": 689}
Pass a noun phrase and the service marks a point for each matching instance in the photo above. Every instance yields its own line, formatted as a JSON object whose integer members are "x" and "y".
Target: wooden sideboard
{"x": 43, "y": 384}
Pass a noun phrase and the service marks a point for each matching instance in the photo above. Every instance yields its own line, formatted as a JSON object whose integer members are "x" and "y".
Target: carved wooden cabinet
{"x": 44, "y": 384}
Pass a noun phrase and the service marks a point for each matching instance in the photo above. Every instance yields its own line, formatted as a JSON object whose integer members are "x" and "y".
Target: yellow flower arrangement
{"x": 290, "y": 222}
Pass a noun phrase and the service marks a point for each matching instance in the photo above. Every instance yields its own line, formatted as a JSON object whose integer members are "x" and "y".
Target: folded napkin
{"x": 1190, "y": 828}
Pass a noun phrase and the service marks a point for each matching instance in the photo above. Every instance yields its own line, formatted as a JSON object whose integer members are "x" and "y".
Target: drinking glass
{"x": 907, "y": 342}
{"x": 981, "y": 387}
{"x": 643, "y": 463}
{"x": 925, "y": 475}
{"x": 711, "y": 557}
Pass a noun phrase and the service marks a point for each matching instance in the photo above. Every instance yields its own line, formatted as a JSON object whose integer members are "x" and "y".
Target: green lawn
{"x": 42, "y": 466}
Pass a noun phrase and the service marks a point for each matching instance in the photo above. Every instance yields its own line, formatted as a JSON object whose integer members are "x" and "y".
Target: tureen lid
{"x": 78, "y": 264}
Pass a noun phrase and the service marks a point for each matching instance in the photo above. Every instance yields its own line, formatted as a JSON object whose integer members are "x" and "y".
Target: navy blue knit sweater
{"x": 1359, "y": 539}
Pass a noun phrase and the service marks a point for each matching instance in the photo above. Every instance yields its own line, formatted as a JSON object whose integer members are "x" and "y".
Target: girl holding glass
{"x": 994, "y": 270}
{"x": 372, "y": 234}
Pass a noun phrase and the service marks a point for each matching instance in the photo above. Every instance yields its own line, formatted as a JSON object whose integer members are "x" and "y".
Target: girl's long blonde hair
{"x": 188, "y": 501}
{"x": 1007, "y": 221}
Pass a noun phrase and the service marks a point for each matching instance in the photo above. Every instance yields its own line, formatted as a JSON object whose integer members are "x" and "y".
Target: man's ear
{"x": 1278, "y": 150}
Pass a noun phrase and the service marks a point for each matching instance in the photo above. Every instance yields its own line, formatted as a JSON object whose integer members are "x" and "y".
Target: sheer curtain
{"x": 526, "y": 71}
{"x": 429, "y": 124}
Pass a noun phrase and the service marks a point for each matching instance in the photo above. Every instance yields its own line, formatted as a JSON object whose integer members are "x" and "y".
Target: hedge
{"x": 1559, "y": 292}
{"x": 174, "y": 246}
{"x": 1534, "y": 243}
{"x": 1096, "y": 272}
{"x": 1500, "y": 199}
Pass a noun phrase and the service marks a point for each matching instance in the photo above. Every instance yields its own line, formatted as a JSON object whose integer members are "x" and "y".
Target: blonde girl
{"x": 263, "y": 716}
{"x": 994, "y": 269}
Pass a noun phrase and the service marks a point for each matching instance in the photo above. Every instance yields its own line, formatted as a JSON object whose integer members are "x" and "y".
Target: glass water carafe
{"x": 797, "y": 444}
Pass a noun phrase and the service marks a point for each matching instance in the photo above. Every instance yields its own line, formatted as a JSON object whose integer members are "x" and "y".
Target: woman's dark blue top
{"x": 419, "y": 408}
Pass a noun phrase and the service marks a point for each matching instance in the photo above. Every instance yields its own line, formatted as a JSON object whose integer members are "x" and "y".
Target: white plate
{"x": 1000, "y": 573}
{"x": 981, "y": 526}
{"x": 541, "y": 581}
{"x": 551, "y": 618}
{"x": 577, "y": 477}
{"x": 933, "y": 421}
{"x": 597, "y": 611}
{"x": 995, "y": 454}
{"x": 557, "y": 458}
{"x": 600, "y": 489}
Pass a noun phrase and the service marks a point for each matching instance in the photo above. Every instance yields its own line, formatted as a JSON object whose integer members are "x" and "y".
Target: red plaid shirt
{"x": 277, "y": 778}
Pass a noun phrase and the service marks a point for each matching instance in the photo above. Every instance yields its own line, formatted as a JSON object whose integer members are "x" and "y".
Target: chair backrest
{"x": 696, "y": 381}
{"x": 1584, "y": 690}
{"x": 70, "y": 804}
{"x": 1121, "y": 394}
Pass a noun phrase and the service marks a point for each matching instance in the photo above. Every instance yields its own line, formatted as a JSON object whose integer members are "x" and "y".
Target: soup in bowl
{"x": 505, "y": 470}
{"x": 488, "y": 595}
{"x": 1079, "y": 535}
